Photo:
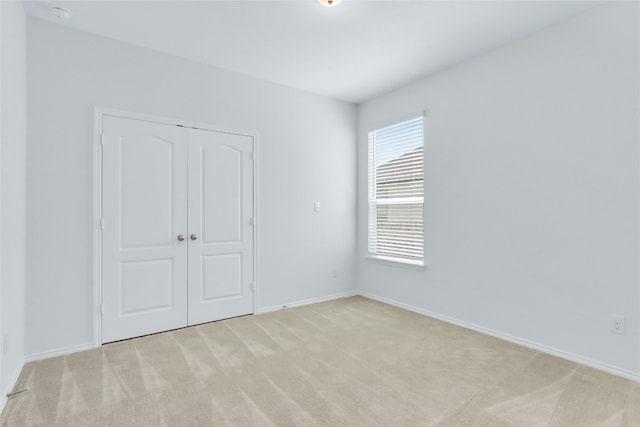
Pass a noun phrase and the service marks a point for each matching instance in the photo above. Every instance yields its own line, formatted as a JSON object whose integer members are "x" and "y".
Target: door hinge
{"x": 253, "y": 287}
{"x": 102, "y": 139}
{"x": 251, "y": 156}
{"x": 101, "y": 309}
{"x": 251, "y": 221}
{"x": 101, "y": 224}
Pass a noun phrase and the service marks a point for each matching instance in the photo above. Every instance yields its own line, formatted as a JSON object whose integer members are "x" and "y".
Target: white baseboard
{"x": 88, "y": 346}
{"x": 11, "y": 385}
{"x": 307, "y": 302}
{"x": 59, "y": 352}
{"x": 635, "y": 376}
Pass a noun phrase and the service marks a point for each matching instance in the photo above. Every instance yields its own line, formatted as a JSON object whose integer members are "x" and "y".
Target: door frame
{"x": 98, "y": 117}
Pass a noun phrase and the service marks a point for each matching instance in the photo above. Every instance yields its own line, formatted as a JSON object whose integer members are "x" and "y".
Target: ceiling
{"x": 353, "y": 52}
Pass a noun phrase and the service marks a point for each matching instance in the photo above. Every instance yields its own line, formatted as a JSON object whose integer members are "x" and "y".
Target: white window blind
{"x": 396, "y": 192}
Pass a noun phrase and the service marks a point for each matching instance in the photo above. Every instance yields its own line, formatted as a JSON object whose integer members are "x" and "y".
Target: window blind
{"x": 396, "y": 192}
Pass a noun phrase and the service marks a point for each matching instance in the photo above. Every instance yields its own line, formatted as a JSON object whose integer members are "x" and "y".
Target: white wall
{"x": 531, "y": 197}
{"x": 306, "y": 152}
{"x": 12, "y": 195}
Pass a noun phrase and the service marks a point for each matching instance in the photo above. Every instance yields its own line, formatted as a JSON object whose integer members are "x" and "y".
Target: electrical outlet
{"x": 5, "y": 345}
{"x": 618, "y": 325}
{"x": 334, "y": 273}
{"x": 316, "y": 206}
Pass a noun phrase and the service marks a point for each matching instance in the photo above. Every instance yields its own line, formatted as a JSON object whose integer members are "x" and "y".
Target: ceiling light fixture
{"x": 60, "y": 13}
{"x": 329, "y": 3}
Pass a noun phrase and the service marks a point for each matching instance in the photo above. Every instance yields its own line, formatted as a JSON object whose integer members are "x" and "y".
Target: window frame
{"x": 372, "y": 200}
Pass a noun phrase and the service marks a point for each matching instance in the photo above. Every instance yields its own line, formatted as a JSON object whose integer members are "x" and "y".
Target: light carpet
{"x": 348, "y": 362}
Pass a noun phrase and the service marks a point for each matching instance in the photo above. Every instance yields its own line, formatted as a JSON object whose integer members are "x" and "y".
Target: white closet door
{"x": 220, "y": 228}
{"x": 144, "y": 285}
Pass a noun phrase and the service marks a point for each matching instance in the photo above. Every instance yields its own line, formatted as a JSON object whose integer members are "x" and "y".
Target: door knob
{"x": 181, "y": 237}
{"x": 194, "y": 237}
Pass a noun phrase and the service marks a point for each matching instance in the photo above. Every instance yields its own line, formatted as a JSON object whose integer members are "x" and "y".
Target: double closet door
{"x": 177, "y": 228}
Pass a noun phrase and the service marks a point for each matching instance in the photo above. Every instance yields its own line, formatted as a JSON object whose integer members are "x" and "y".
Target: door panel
{"x": 220, "y": 213}
{"x": 146, "y": 286}
{"x": 221, "y": 276}
{"x": 144, "y": 209}
{"x": 221, "y": 185}
{"x": 143, "y": 224}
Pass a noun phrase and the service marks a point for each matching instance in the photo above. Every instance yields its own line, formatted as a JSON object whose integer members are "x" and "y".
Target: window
{"x": 396, "y": 192}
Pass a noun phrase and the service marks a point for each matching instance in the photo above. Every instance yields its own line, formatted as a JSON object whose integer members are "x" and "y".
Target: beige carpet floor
{"x": 349, "y": 362}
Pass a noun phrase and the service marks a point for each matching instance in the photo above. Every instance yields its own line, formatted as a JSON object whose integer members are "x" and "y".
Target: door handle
{"x": 181, "y": 237}
{"x": 194, "y": 237}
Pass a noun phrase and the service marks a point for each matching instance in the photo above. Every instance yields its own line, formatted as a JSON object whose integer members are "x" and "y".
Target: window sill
{"x": 395, "y": 262}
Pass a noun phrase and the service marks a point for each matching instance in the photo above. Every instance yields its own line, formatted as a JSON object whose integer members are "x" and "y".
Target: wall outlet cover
{"x": 618, "y": 325}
